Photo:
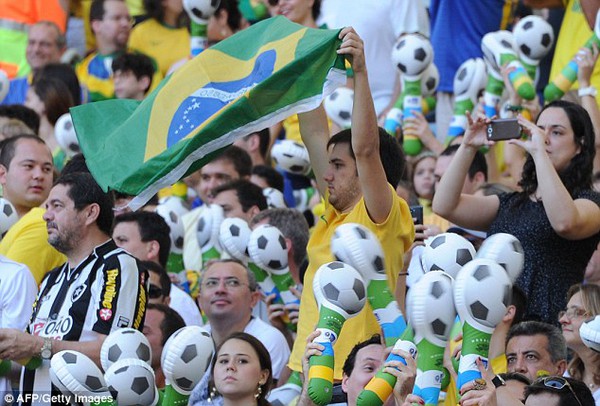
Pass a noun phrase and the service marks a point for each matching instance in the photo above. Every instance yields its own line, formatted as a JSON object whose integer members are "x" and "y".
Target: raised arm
{"x": 476, "y": 212}
{"x": 365, "y": 133}
{"x": 571, "y": 219}
{"x": 315, "y": 133}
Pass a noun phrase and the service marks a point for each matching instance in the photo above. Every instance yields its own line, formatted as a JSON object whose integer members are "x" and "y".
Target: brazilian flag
{"x": 248, "y": 82}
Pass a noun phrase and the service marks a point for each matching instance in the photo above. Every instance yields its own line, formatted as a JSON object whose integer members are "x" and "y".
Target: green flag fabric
{"x": 248, "y": 82}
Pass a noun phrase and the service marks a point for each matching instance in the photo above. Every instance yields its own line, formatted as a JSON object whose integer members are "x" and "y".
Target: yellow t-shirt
{"x": 27, "y": 242}
{"x": 166, "y": 45}
{"x": 574, "y": 32}
{"x": 396, "y": 235}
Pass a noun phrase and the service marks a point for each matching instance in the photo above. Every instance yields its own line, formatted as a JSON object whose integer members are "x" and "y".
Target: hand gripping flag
{"x": 253, "y": 79}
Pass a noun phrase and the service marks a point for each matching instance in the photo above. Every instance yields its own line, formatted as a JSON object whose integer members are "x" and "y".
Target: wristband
{"x": 587, "y": 91}
{"x": 498, "y": 381}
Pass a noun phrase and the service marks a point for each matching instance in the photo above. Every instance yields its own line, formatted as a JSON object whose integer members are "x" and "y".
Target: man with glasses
{"x": 145, "y": 235}
{"x": 534, "y": 348}
{"x": 558, "y": 391}
{"x": 228, "y": 292}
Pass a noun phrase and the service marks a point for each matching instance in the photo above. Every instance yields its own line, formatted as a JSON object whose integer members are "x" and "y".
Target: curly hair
{"x": 577, "y": 176}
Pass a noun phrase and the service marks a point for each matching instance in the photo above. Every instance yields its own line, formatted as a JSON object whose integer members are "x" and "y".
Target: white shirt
{"x": 17, "y": 294}
{"x": 183, "y": 304}
{"x": 379, "y": 23}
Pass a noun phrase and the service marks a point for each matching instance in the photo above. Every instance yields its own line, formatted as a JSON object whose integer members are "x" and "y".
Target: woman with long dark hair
{"x": 556, "y": 215}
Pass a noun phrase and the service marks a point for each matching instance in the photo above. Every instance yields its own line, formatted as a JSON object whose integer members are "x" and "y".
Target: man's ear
{"x": 345, "y": 383}
{"x": 92, "y": 213}
{"x": 95, "y": 25}
{"x": 511, "y": 310}
{"x": 561, "y": 367}
{"x": 153, "y": 248}
{"x": 3, "y": 172}
{"x": 254, "y": 298}
{"x": 144, "y": 83}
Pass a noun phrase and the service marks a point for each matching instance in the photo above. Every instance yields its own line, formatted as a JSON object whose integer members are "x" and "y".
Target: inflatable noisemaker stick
{"x": 498, "y": 48}
{"x": 207, "y": 232}
{"x": 381, "y": 386}
{"x": 412, "y": 55}
{"x": 493, "y": 92}
{"x": 534, "y": 37}
{"x": 199, "y": 12}
{"x": 268, "y": 250}
{"x": 340, "y": 293}
{"x": 356, "y": 245}
{"x": 482, "y": 293}
{"x": 429, "y": 83}
{"x": 285, "y": 394}
{"x": 469, "y": 80}
{"x": 185, "y": 357}
{"x": 590, "y": 333}
{"x": 431, "y": 313}
{"x": 562, "y": 82}
{"x": 234, "y": 237}
{"x": 73, "y": 373}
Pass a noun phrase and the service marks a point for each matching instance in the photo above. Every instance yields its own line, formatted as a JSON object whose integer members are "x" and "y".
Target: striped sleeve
{"x": 122, "y": 300}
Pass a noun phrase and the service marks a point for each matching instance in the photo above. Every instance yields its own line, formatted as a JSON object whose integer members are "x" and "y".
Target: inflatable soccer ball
{"x": 64, "y": 131}
{"x": 291, "y": 156}
{"x": 534, "y": 37}
{"x": 339, "y": 284}
{"x": 430, "y": 80}
{"x": 267, "y": 248}
{"x": 209, "y": 224}
{"x": 506, "y": 250}
{"x": 356, "y": 245}
{"x": 274, "y": 198}
{"x": 124, "y": 343}
{"x": 412, "y": 54}
{"x": 482, "y": 293}
{"x": 234, "y": 236}
{"x": 338, "y": 106}
{"x": 131, "y": 382}
{"x": 169, "y": 210}
{"x": 8, "y": 215}
{"x": 590, "y": 333}
{"x": 470, "y": 77}
{"x": 77, "y": 373}
{"x": 200, "y": 11}
{"x": 447, "y": 252}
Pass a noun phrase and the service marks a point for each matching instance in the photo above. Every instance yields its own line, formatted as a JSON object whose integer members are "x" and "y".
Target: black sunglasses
{"x": 154, "y": 292}
{"x": 558, "y": 383}
{"x": 273, "y": 2}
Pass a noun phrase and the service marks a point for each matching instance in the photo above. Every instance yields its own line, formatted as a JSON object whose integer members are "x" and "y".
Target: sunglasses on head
{"x": 154, "y": 292}
{"x": 558, "y": 383}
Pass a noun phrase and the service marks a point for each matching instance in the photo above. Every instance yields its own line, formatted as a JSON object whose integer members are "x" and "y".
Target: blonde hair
{"x": 590, "y": 297}
{"x": 13, "y": 127}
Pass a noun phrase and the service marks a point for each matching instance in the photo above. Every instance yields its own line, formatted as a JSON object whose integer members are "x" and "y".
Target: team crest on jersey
{"x": 105, "y": 314}
{"x": 78, "y": 292}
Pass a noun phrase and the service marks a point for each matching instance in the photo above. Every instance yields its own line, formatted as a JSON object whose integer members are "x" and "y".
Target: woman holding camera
{"x": 556, "y": 215}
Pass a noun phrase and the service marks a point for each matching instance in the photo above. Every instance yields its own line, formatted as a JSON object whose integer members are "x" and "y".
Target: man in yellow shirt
{"x": 357, "y": 171}
{"x": 26, "y": 174}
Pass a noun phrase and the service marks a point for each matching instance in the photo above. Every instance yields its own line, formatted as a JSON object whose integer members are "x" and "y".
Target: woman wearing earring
{"x": 583, "y": 303}
{"x": 241, "y": 372}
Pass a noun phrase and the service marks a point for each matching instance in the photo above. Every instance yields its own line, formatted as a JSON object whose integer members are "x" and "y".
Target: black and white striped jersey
{"x": 105, "y": 292}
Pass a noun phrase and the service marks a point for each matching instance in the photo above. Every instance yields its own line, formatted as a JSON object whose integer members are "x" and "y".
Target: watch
{"x": 587, "y": 91}
{"x": 46, "y": 351}
{"x": 498, "y": 381}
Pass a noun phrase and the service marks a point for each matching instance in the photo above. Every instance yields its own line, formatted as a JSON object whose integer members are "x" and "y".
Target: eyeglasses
{"x": 273, "y": 2}
{"x": 558, "y": 383}
{"x": 573, "y": 313}
{"x": 154, "y": 292}
{"x": 230, "y": 283}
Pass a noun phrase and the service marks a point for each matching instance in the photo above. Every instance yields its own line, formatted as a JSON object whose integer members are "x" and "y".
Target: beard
{"x": 64, "y": 242}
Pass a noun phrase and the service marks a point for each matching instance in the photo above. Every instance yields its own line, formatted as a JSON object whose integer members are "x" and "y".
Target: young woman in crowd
{"x": 241, "y": 371}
